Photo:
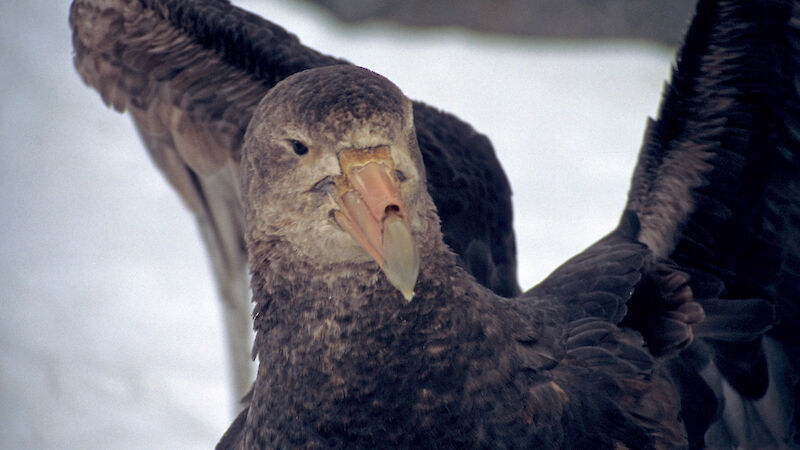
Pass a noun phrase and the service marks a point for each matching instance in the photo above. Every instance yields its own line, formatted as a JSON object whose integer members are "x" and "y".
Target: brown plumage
{"x": 346, "y": 361}
{"x": 703, "y": 270}
{"x": 191, "y": 72}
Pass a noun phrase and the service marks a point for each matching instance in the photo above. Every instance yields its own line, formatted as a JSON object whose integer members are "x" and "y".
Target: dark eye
{"x": 298, "y": 147}
{"x": 400, "y": 176}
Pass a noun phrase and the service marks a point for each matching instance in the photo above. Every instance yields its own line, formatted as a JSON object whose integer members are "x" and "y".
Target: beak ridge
{"x": 373, "y": 213}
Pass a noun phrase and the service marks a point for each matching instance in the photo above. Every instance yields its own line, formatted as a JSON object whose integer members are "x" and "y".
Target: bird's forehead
{"x": 350, "y": 117}
{"x": 336, "y": 90}
{"x": 343, "y": 130}
{"x": 341, "y": 99}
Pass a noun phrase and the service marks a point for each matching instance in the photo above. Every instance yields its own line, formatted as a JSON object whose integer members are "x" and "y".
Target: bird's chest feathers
{"x": 334, "y": 351}
{"x": 356, "y": 336}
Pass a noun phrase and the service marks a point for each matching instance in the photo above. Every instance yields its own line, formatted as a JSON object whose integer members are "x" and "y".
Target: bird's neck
{"x": 340, "y": 344}
{"x": 287, "y": 288}
{"x": 300, "y": 302}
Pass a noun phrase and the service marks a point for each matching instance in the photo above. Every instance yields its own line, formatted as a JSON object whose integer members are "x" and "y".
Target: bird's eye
{"x": 400, "y": 175}
{"x": 298, "y": 147}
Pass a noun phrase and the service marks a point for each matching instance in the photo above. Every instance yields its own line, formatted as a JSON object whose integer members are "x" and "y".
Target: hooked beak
{"x": 373, "y": 213}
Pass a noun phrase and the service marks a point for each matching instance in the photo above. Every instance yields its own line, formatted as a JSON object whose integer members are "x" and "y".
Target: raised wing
{"x": 717, "y": 190}
{"x": 716, "y": 194}
{"x": 191, "y": 73}
{"x": 717, "y": 187}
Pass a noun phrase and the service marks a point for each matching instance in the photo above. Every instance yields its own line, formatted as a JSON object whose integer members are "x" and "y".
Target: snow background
{"x": 110, "y": 333}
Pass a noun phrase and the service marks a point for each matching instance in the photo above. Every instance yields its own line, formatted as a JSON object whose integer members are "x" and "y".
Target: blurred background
{"x": 652, "y": 20}
{"x": 110, "y": 333}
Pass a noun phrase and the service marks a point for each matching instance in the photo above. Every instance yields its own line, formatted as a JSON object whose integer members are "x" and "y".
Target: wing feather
{"x": 716, "y": 200}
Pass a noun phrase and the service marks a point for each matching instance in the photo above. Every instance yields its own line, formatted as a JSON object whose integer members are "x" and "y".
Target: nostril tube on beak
{"x": 391, "y": 209}
{"x": 373, "y": 182}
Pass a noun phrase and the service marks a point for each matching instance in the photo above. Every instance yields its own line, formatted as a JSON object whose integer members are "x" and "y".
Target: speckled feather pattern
{"x": 455, "y": 367}
{"x": 346, "y": 362}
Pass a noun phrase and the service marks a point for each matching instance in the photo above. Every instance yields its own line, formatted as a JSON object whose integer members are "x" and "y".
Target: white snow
{"x": 110, "y": 334}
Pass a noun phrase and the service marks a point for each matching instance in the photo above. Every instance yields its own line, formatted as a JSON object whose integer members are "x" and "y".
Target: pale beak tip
{"x": 401, "y": 259}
